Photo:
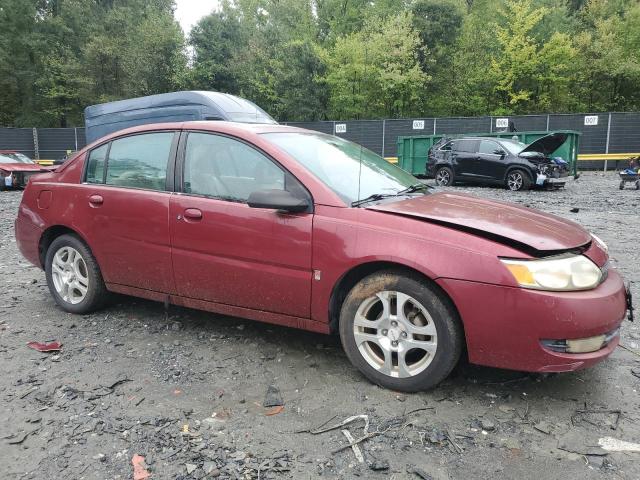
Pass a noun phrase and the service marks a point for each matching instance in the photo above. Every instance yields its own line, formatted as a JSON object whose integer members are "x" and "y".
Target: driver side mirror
{"x": 280, "y": 200}
{"x": 500, "y": 152}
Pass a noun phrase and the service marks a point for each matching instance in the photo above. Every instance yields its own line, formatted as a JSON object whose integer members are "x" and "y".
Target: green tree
{"x": 375, "y": 72}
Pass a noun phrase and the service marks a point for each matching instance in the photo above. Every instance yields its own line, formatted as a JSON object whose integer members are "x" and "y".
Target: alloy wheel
{"x": 70, "y": 275}
{"x": 515, "y": 181}
{"x": 395, "y": 334}
{"x": 443, "y": 177}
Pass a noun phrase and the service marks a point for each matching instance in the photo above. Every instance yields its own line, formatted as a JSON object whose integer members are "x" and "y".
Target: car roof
{"x": 209, "y": 125}
{"x": 223, "y": 103}
{"x": 482, "y": 138}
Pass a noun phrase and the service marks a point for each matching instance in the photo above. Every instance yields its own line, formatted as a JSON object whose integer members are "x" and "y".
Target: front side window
{"x": 140, "y": 161}
{"x": 487, "y": 146}
{"x": 222, "y": 167}
{"x": 447, "y": 146}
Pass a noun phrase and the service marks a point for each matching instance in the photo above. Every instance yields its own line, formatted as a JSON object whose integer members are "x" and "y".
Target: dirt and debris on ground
{"x": 133, "y": 393}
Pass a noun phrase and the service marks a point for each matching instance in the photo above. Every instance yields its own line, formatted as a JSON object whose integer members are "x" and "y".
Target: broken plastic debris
{"x": 614, "y": 445}
{"x": 275, "y": 410}
{"x": 45, "y": 347}
{"x": 139, "y": 468}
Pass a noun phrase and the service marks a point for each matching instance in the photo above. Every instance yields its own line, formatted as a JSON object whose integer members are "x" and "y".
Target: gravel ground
{"x": 186, "y": 390}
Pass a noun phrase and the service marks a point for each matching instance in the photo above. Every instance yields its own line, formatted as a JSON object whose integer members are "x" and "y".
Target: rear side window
{"x": 466, "y": 146}
{"x": 140, "y": 161}
{"x": 96, "y": 163}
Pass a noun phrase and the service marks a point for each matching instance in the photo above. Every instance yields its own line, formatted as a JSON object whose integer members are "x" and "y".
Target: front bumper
{"x": 545, "y": 181}
{"x": 504, "y": 326}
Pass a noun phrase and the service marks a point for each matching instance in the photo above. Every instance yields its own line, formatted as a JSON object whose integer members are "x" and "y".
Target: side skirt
{"x": 258, "y": 315}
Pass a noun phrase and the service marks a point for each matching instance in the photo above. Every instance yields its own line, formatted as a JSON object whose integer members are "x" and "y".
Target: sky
{"x": 188, "y": 12}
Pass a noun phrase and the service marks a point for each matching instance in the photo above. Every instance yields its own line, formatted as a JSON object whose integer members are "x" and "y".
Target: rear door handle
{"x": 193, "y": 214}
{"x": 96, "y": 200}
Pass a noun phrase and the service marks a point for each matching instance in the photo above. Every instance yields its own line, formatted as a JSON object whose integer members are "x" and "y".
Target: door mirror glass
{"x": 281, "y": 200}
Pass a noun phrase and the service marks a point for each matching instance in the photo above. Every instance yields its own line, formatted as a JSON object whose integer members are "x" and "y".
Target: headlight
{"x": 561, "y": 273}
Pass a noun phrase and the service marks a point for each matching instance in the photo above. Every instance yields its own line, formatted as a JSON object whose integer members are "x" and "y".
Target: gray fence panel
{"x": 527, "y": 123}
{"x": 324, "y": 127}
{"x": 464, "y": 125}
{"x": 19, "y": 139}
{"x": 402, "y": 128}
{"x": 53, "y": 143}
{"x": 367, "y": 133}
{"x": 594, "y": 137}
{"x": 625, "y": 133}
{"x": 82, "y": 138}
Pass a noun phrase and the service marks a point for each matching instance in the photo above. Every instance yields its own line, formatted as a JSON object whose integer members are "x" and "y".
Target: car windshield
{"x": 351, "y": 171}
{"x": 513, "y": 146}
{"x": 14, "y": 158}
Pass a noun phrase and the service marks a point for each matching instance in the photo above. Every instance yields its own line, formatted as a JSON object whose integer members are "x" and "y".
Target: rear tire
{"x": 73, "y": 276}
{"x": 411, "y": 348}
{"x": 518, "y": 180}
{"x": 621, "y": 186}
{"x": 444, "y": 177}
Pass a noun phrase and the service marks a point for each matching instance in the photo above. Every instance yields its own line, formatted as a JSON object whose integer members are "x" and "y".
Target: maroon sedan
{"x": 16, "y": 168}
{"x": 307, "y": 230}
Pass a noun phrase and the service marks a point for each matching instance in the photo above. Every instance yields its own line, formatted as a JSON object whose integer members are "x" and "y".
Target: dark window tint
{"x": 225, "y": 168}
{"x": 466, "y": 146}
{"x": 140, "y": 161}
{"x": 95, "y": 164}
{"x": 487, "y": 146}
{"x": 447, "y": 146}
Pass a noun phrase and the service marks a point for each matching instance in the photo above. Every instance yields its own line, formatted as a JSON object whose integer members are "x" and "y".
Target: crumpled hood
{"x": 21, "y": 167}
{"x": 547, "y": 144}
{"x": 507, "y": 221}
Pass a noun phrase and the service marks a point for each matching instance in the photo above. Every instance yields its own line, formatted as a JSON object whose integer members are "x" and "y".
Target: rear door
{"x": 125, "y": 201}
{"x": 464, "y": 157}
{"x": 223, "y": 250}
{"x": 491, "y": 160}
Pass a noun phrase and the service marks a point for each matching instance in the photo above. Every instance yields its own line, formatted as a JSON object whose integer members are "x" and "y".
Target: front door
{"x": 125, "y": 204}
{"x": 492, "y": 164}
{"x": 223, "y": 250}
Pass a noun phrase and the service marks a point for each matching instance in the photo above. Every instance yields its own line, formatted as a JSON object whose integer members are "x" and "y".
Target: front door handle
{"x": 193, "y": 214}
{"x": 96, "y": 200}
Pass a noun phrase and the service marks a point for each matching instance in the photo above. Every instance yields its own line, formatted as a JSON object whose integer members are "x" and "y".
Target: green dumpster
{"x": 413, "y": 151}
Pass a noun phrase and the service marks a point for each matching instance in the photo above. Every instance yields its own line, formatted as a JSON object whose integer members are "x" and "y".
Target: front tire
{"x": 444, "y": 177}
{"x": 400, "y": 332}
{"x": 518, "y": 180}
{"x": 73, "y": 276}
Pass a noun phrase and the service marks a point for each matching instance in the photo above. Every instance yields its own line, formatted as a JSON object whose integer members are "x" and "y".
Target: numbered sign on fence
{"x": 591, "y": 120}
{"x": 341, "y": 128}
{"x": 418, "y": 124}
{"x": 502, "y": 123}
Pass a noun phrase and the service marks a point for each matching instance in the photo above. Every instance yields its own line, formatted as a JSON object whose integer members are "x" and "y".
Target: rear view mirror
{"x": 499, "y": 151}
{"x": 281, "y": 200}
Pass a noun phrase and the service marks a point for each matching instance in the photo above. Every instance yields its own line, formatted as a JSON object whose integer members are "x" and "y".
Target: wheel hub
{"x": 395, "y": 334}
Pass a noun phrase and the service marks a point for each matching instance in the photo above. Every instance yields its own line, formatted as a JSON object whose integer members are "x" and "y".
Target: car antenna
{"x": 359, "y": 171}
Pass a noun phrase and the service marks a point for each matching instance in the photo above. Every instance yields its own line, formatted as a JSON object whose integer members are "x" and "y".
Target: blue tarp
{"x": 106, "y": 118}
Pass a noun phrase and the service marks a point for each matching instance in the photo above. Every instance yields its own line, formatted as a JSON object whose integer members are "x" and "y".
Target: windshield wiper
{"x": 372, "y": 198}
{"x": 413, "y": 188}
{"x": 379, "y": 196}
